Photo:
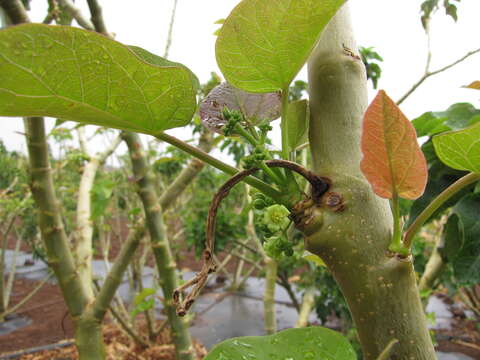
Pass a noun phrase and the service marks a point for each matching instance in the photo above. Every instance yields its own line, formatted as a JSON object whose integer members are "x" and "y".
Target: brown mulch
{"x": 120, "y": 347}
{"x": 464, "y": 337}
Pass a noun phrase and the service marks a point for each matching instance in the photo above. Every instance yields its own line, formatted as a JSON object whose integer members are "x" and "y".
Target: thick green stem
{"x": 115, "y": 276}
{"x": 83, "y": 244}
{"x": 160, "y": 245}
{"x": 436, "y": 203}
{"x": 89, "y": 338}
{"x": 308, "y": 303}
{"x": 434, "y": 267}
{"x": 59, "y": 257}
{"x": 271, "y": 267}
{"x": 353, "y": 241}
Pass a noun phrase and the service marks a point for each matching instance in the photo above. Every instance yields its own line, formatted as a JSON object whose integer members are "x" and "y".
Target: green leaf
{"x": 460, "y": 115}
{"x": 317, "y": 260}
{"x": 430, "y": 124}
{"x": 312, "y": 343}
{"x": 440, "y": 177}
{"x": 466, "y": 265}
{"x": 263, "y": 44}
{"x": 153, "y": 59}
{"x": 140, "y": 297}
{"x": 453, "y": 236}
{"x": 460, "y": 149}
{"x": 298, "y": 117}
{"x": 79, "y": 75}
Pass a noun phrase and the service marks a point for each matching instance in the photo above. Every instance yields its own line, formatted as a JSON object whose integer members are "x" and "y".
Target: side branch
{"x": 429, "y": 73}
{"x": 114, "y": 278}
{"x": 77, "y": 14}
{"x": 97, "y": 17}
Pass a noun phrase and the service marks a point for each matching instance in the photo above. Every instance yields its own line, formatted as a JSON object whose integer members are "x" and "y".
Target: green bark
{"x": 381, "y": 291}
{"x": 59, "y": 257}
{"x": 269, "y": 295}
{"x": 160, "y": 245}
{"x": 433, "y": 269}
{"x": 89, "y": 338}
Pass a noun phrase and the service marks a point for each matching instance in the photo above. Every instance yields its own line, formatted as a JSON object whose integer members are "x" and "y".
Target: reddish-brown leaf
{"x": 392, "y": 160}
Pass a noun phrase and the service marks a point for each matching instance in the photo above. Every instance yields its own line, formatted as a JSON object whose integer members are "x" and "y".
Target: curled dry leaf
{"x": 393, "y": 162}
{"x": 255, "y": 108}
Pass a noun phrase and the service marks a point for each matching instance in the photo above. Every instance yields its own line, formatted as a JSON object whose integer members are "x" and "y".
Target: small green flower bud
{"x": 276, "y": 217}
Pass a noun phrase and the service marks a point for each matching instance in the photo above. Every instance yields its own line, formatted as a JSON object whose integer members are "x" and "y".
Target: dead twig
{"x": 319, "y": 187}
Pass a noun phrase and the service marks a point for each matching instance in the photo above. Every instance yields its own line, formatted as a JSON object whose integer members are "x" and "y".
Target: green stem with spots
{"x": 160, "y": 245}
{"x": 381, "y": 290}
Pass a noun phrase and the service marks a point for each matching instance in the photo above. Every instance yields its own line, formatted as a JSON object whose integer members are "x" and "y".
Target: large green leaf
{"x": 461, "y": 115}
{"x": 79, "y": 75}
{"x": 466, "y": 265}
{"x": 263, "y": 44}
{"x": 440, "y": 177}
{"x": 312, "y": 343}
{"x": 460, "y": 149}
{"x": 153, "y": 59}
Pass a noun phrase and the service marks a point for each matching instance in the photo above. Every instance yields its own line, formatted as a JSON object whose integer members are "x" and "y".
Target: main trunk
{"x": 353, "y": 239}
{"x": 160, "y": 246}
{"x": 89, "y": 338}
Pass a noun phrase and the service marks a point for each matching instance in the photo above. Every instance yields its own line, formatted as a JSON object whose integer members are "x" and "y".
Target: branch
{"x": 15, "y": 11}
{"x": 103, "y": 156}
{"x": 306, "y": 308}
{"x": 114, "y": 278}
{"x": 26, "y": 298}
{"x": 170, "y": 30}
{"x": 82, "y": 140}
{"x": 77, "y": 14}
{"x": 97, "y": 17}
{"x": 83, "y": 246}
{"x": 187, "y": 175}
{"x": 429, "y": 73}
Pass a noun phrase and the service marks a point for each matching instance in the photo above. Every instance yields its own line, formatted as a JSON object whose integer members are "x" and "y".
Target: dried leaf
{"x": 256, "y": 108}
{"x": 474, "y": 85}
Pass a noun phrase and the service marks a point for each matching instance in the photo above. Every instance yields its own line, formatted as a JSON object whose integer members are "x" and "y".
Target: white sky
{"x": 392, "y": 27}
